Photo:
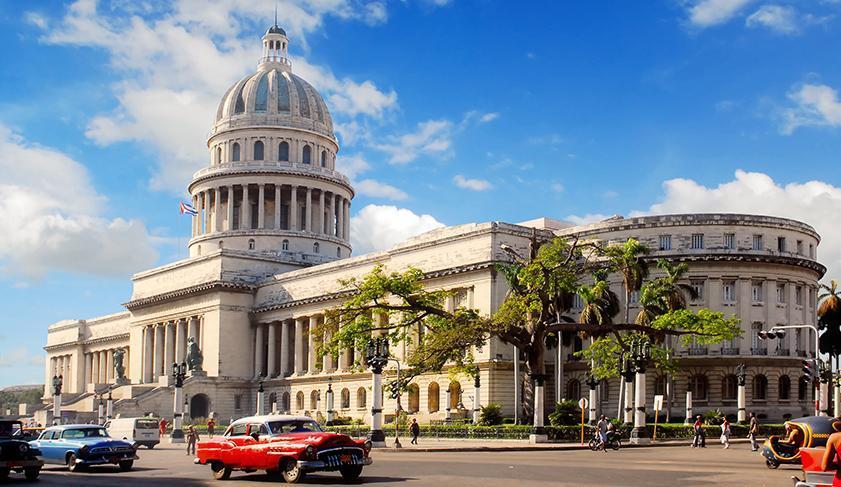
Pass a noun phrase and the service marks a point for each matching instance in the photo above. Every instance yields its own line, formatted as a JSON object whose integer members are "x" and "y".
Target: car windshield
{"x": 294, "y": 426}
{"x": 9, "y": 429}
{"x": 74, "y": 434}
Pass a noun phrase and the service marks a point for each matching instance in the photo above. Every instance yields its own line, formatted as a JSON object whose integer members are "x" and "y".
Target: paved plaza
{"x": 661, "y": 466}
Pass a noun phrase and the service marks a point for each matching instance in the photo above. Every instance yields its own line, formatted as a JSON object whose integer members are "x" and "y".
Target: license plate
{"x": 344, "y": 458}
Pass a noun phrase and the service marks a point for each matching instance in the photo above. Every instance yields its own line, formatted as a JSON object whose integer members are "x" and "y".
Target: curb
{"x": 547, "y": 447}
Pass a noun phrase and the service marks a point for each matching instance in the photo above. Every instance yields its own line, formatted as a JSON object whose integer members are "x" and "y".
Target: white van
{"x": 140, "y": 431}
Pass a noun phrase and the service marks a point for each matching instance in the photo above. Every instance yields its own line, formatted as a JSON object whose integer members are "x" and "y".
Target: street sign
{"x": 658, "y": 402}
{"x": 582, "y": 403}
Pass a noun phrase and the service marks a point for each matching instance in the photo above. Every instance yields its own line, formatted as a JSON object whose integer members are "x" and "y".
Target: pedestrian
{"x": 211, "y": 426}
{"x": 832, "y": 457}
{"x": 725, "y": 433}
{"x": 192, "y": 438}
{"x": 753, "y": 429}
{"x": 700, "y": 440}
{"x": 162, "y": 426}
{"x": 601, "y": 427}
{"x": 415, "y": 430}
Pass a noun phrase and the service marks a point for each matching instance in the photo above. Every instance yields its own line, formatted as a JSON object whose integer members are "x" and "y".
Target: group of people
{"x": 700, "y": 438}
{"x": 191, "y": 436}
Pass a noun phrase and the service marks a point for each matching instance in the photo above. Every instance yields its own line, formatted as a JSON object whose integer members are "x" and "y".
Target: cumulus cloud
{"x": 54, "y": 219}
{"x": 471, "y": 184}
{"x": 170, "y": 68}
{"x": 379, "y": 227}
{"x": 782, "y": 19}
{"x": 21, "y": 356}
{"x": 353, "y": 166}
{"x": 708, "y": 13}
{"x": 432, "y": 137}
{"x": 815, "y": 105}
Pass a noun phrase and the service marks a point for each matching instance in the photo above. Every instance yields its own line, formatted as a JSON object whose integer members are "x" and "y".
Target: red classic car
{"x": 283, "y": 446}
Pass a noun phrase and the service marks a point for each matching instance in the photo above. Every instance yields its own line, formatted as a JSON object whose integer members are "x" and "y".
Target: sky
{"x": 447, "y": 112}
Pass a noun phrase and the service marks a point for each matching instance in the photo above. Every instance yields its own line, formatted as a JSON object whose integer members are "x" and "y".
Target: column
{"x": 308, "y": 213}
{"x": 320, "y": 213}
{"x": 193, "y": 328}
{"x": 285, "y": 344}
{"x": 261, "y": 206}
{"x": 340, "y": 217}
{"x": 230, "y": 208}
{"x": 103, "y": 367}
{"x": 217, "y": 209}
{"x": 311, "y": 345}
{"x": 244, "y": 213}
{"x": 300, "y": 365}
{"x": 88, "y": 368}
{"x": 293, "y": 209}
{"x": 272, "y": 365}
{"x": 258, "y": 350}
{"x": 94, "y": 370}
{"x": 169, "y": 357}
{"x": 159, "y": 352}
{"x": 109, "y": 366}
{"x": 327, "y": 359}
{"x": 147, "y": 354}
{"x": 180, "y": 340}
{"x": 277, "y": 206}
{"x": 347, "y": 220}
{"x": 206, "y": 206}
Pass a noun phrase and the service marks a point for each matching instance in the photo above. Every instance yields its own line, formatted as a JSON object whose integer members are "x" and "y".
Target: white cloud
{"x": 488, "y": 117}
{"x": 586, "y": 219}
{"x": 432, "y": 137}
{"x": 21, "y": 356}
{"x": 170, "y": 68}
{"x": 813, "y": 202}
{"x": 707, "y": 13}
{"x": 472, "y": 184}
{"x": 54, "y": 218}
{"x": 377, "y": 189}
{"x": 814, "y": 105}
{"x": 352, "y": 165}
{"x": 379, "y": 227}
{"x": 781, "y": 19}
{"x": 557, "y": 187}
{"x": 36, "y": 19}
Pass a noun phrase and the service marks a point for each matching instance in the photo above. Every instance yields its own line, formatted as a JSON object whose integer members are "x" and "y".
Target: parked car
{"x": 16, "y": 454}
{"x": 285, "y": 447}
{"x": 79, "y": 446}
{"x": 138, "y": 431}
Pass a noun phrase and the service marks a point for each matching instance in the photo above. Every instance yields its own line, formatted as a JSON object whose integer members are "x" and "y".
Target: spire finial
{"x": 275, "y": 12}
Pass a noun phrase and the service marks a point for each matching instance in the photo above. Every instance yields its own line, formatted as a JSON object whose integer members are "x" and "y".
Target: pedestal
{"x": 639, "y": 435}
{"x": 741, "y": 414}
{"x": 124, "y": 381}
{"x": 177, "y": 435}
{"x": 197, "y": 373}
{"x": 377, "y": 436}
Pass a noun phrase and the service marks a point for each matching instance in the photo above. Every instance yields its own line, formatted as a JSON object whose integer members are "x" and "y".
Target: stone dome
{"x": 275, "y": 96}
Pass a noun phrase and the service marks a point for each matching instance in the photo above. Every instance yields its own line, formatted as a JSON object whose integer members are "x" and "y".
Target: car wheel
{"x": 291, "y": 473}
{"x": 126, "y": 465}
{"x": 351, "y": 472}
{"x": 220, "y": 471}
{"x": 72, "y": 465}
{"x": 4, "y": 472}
{"x": 32, "y": 474}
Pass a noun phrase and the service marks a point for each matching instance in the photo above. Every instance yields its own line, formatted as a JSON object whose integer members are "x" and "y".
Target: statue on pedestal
{"x": 119, "y": 367}
{"x": 194, "y": 357}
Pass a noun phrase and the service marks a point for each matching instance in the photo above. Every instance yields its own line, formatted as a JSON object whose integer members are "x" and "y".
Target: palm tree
{"x": 627, "y": 260}
{"x": 600, "y": 304}
{"x": 666, "y": 293}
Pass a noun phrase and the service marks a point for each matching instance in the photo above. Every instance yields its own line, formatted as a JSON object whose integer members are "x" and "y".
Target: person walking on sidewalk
{"x": 211, "y": 426}
{"x": 192, "y": 438}
{"x": 162, "y": 426}
{"x": 700, "y": 440}
{"x": 753, "y": 429}
{"x": 725, "y": 433}
{"x": 601, "y": 428}
{"x": 415, "y": 430}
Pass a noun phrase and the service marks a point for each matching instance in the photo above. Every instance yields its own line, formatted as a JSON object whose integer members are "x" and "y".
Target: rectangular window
{"x": 781, "y": 244}
{"x": 729, "y": 241}
{"x": 698, "y": 287}
{"x": 799, "y": 247}
{"x": 757, "y": 242}
{"x": 729, "y": 292}
{"x": 238, "y": 401}
{"x": 635, "y": 297}
{"x": 665, "y": 242}
{"x": 798, "y": 295}
{"x": 697, "y": 241}
{"x": 755, "y": 342}
{"x": 577, "y": 302}
{"x": 756, "y": 292}
{"x": 781, "y": 293}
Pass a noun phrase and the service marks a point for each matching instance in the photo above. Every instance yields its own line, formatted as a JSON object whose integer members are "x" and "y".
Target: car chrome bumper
{"x": 311, "y": 465}
{"x": 21, "y": 463}
{"x": 102, "y": 461}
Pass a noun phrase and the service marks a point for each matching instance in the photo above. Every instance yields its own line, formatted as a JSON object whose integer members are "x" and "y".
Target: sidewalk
{"x": 459, "y": 445}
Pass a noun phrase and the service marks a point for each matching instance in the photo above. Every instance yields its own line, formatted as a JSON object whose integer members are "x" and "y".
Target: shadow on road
{"x": 324, "y": 479}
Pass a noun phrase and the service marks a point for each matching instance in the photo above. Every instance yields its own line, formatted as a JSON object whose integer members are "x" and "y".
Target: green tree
{"x": 627, "y": 259}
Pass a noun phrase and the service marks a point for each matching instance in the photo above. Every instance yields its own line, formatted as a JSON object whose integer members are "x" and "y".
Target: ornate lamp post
{"x": 179, "y": 372}
{"x": 477, "y": 406}
{"x": 593, "y": 384}
{"x": 376, "y": 357}
{"x": 330, "y": 412}
{"x": 261, "y": 397}
{"x": 100, "y": 411}
{"x": 58, "y": 381}
{"x": 109, "y": 406}
{"x": 641, "y": 354}
{"x": 741, "y": 376}
{"x": 628, "y": 374}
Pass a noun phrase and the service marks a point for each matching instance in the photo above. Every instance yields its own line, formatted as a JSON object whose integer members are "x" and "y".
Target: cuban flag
{"x": 188, "y": 209}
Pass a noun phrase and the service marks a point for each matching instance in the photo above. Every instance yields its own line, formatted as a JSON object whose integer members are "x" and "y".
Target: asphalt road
{"x": 649, "y": 467}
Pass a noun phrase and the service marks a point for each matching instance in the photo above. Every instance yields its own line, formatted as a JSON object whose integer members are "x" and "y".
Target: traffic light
{"x": 809, "y": 368}
{"x": 770, "y": 335}
{"x": 395, "y": 390}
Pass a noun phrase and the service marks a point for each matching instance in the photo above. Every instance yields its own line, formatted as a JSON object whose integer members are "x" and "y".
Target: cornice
{"x": 217, "y": 285}
{"x": 94, "y": 341}
{"x": 812, "y": 265}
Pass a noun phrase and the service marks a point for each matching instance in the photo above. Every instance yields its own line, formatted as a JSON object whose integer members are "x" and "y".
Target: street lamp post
{"x": 58, "y": 382}
{"x": 376, "y": 358}
{"x": 641, "y": 354}
{"x": 477, "y": 405}
{"x": 109, "y": 407}
{"x": 179, "y": 372}
{"x": 592, "y": 384}
{"x": 261, "y": 398}
{"x": 100, "y": 411}
{"x": 628, "y": 374}
{"x": 395, "y": 394}
{"x": 330, "y": 411}
{"x": 741, "y": 376}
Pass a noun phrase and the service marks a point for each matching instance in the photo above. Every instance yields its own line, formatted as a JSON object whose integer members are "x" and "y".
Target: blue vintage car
{"x": 79, "y": 446}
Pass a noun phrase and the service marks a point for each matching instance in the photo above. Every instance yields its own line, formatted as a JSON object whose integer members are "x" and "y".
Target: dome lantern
{"x": 275, "y": 47}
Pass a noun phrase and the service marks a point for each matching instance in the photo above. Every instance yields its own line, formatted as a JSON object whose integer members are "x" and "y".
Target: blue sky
{"x": 448, "y": 112}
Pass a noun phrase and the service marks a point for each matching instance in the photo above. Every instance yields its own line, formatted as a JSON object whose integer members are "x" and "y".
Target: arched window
{"x": 258, "y": 150}
{"x": 235, "y": 150}
{"x": 360, "y": 398}
{"x": 315, "y": 248}
{"x": 573, "y": 389}
{"x": 284, "y": 245}
{"x": 283, "y": 151}
{"x": 251, "y": 244}
{"x": 284, "y": 404}
{"x": 785, "y": 388}
{"x": 338, "y": 251}
{"x": 604, "y": 390}
{"x": 455, "y": 394}
{"x": 262, "y": 98}
{"x": 345, "y": 401}
{"x": 299, "y": 401}
{"x": 314, "y": 400}
{"x": 433, "y": 397}
{"x": 414, "y": 398}
{"x": 218, "y": 155}
{"x": 323, "y": 158}
{"x": 698, "y": 386}
{"x": 273, "y": 405}
{"x": 760, "y": 387}
{"x": 307, "y": 155}
{"x": 729, "y": 387}
{"x": 240, "y": 104}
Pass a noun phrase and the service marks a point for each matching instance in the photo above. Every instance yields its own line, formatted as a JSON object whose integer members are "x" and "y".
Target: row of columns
{"x": 165, "y": 344}
{"x": 99, "y": 366}
{"x": 221, "y": 209}
{"x": 60, "y": 365}
{"x": 282, "y": 348}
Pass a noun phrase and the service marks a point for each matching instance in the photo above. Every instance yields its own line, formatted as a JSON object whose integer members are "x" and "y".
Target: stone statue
{"x": 741, "y": 376}
{"x": 119, "y": 367}
{"x": 194, "y": 356}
